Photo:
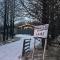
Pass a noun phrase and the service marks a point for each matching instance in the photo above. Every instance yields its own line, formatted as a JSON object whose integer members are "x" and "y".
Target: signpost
{"x": 42, "y": 32}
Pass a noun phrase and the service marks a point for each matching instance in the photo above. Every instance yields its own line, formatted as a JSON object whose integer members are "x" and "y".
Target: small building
{"x": 26, "y": 29}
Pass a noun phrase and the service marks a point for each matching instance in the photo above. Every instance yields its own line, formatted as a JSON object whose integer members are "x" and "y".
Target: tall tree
{"x": 34, "y": 8}
{"x": 45, "y": 12}
{"x": 9, "y": 19}
{"x": 12, "y": 15}
{"x": 5, "y": 21}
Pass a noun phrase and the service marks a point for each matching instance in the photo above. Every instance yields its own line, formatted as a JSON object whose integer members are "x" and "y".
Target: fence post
{"x": 44, "y": 49}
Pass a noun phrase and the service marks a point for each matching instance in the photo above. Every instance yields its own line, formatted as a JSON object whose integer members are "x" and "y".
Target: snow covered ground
{"x": 13, "y": 50}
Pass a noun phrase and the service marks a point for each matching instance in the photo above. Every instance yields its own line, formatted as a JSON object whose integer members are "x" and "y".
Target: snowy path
{"x": 13, "y": 50}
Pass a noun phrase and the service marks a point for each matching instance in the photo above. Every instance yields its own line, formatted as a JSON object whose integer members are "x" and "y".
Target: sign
{"x": 41, "y": 31}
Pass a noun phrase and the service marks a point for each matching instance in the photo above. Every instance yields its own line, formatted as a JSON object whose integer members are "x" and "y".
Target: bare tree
{"x": 34, "y": 8}
{"x": 8, "y": 19}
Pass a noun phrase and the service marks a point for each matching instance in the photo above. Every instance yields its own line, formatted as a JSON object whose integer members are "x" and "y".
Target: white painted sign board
{"x": 41, "y": 31}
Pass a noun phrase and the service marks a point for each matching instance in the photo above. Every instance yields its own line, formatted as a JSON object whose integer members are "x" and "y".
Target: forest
{"x": 36, "y": 12}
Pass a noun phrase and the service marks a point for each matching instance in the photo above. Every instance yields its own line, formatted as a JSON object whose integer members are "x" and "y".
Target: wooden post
{"x": 44, "y": 49}
{"x": 33, "y": 50}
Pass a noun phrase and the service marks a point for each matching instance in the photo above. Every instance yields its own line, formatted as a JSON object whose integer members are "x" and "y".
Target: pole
{"x": 44, "y": 49}
{"x": 33, "y": 49}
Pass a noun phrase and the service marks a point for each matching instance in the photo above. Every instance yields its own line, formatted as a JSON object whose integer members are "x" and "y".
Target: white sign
{"x": 41, "y": 31}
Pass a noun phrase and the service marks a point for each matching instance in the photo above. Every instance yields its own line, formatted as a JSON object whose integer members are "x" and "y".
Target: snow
{"x": 26, "y": 36}
{"x": 13, "y": 50}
